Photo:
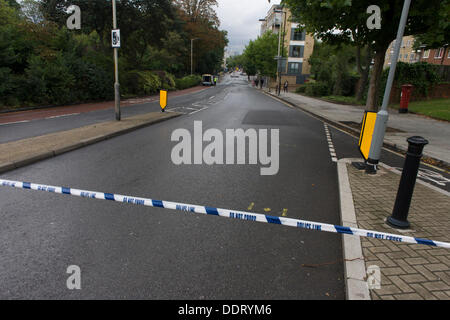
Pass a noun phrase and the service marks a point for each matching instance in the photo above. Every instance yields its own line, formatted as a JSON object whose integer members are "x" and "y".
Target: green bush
{"x": 301, "y": 89}
{"x": 140, "y": 83}
{"x": 92, "y": 82}
{"x": 317, "y": 89}
{"x": 49, "y": 81}
{"x": 188, "y": 82}
{"x": 421, "y": 75}
{"x": 349, "y": 85}
{"x": 167, "y": 80}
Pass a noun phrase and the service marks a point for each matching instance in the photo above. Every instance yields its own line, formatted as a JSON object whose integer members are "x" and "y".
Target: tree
{"x": 260, "y": 54}
{"x": 345, "y": 21}
{"x": 335, "y": 66}
{"x": 32, "y": 11}
{"x": 199, "y": 10}
{"x": 237, "y": 61}
{"x": 439, "y": 34}
{"x": 201, "y": 23}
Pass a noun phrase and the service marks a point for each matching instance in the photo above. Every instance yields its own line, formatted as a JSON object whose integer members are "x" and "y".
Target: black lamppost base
{"x": 398, "y": 224}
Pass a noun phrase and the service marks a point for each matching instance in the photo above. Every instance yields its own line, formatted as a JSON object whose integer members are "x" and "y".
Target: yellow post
{"x": 365, "y": 139}
{"x": 163, "y": 100}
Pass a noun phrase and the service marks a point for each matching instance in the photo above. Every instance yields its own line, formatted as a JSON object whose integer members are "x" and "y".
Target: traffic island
{"x": 408, "y": 271}
{"x": 20, "y": 153}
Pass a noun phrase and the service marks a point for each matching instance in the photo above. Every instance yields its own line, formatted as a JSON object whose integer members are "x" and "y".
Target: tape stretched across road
{"x": 224, "y": 213}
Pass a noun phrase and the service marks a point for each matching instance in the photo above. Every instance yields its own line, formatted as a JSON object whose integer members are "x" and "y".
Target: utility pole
{"x": 279, "y": 51}
{"x": 383, "y": 115}
{"x": 116, "y": 68}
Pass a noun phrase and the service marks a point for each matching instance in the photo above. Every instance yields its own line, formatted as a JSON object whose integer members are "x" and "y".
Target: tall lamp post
{"x": 192, "y": 55}
{"x": 279, "y": 50}
{"x": 383, "y": 115}
{"x": 116, "y": 68}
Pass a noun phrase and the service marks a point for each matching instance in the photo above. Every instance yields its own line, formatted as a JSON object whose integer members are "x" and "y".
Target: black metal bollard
{"x": 399, "y": 218}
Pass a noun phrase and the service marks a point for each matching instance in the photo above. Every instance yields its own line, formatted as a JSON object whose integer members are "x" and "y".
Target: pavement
{"x": 408, "y": 271}
{"x": 402, "y": 126}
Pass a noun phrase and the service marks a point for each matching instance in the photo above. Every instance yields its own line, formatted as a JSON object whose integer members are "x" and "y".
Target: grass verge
{"x": 436, "y": 108}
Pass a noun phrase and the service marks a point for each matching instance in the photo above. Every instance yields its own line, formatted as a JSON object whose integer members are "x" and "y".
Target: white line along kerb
{"x": 233, "y": 214}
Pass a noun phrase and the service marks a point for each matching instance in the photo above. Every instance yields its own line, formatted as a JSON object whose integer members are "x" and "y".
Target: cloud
{"x": 240, "y": 19}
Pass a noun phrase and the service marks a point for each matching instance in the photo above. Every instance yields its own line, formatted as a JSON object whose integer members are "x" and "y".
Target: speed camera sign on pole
{"x": 115, "y": 38}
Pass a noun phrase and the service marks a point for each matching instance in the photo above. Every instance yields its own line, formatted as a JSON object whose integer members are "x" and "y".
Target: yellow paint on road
{"x": 250, "y": 207}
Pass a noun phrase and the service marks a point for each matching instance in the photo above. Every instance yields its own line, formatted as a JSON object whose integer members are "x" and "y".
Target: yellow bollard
{"x": 163, "y": 100}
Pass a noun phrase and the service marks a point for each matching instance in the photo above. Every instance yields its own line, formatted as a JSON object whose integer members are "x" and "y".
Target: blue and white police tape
{"x": 242, "y": 215}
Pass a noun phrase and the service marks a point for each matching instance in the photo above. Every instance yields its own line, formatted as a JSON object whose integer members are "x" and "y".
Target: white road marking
{"x": 199, "y": 110}
{"x": 63, "y": 115}
{"x": 4, "y": 124}
{"x": 330, "y": 144}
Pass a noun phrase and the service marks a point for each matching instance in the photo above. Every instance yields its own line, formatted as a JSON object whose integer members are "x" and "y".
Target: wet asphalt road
{"x": 127, "y": 252}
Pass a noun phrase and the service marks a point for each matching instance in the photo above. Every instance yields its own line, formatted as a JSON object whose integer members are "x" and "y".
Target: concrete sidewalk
{"x": 408, "y": 271}
{"x": 402, "y": 126}
{"x": 20, "y": 153}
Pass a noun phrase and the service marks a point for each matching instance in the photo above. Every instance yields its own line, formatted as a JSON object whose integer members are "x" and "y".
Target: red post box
{"x": 405, "y": 97}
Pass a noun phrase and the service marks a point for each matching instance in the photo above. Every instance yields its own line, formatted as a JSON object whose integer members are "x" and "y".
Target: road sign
{"x": 115, "y": 38}
{"x": 365, "y": 139}
{"x": 163, "y": 99}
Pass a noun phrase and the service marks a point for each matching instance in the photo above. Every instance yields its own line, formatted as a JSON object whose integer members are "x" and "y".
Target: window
{"x": 439, "y": 53}
{"x": 297, "y": 35}
{"x": 294, "y": 67}
{"x": 296, "y": 51}
{"x": 408, "y": 43}
{"x": 411, "y": 58}
{"x": 406, "y": 57}
{"x": 426, "y": 54}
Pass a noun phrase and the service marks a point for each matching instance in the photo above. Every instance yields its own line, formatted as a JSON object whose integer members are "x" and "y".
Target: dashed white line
{"x": 330, "y": 144}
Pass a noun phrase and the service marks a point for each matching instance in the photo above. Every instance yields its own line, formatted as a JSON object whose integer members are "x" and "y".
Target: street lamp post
{"x": 116, "y": 68}
{"x": 383, "y": 115}
{"x": 279, "y": 51}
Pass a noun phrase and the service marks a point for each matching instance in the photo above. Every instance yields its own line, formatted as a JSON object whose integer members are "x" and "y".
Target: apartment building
{"x": 272, "y": 22}
{"x": 298, "y": 46}
{"x": 439, "y": 56}
{"x": 407, "y": 52}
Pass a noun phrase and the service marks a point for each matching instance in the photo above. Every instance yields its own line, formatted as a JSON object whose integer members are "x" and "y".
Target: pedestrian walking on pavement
{"x": 262, "y": 83}
{"x": 286, "y": 86}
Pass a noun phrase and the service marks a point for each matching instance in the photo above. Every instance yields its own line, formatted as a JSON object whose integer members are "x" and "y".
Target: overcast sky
{"x": 240, "y": 19}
